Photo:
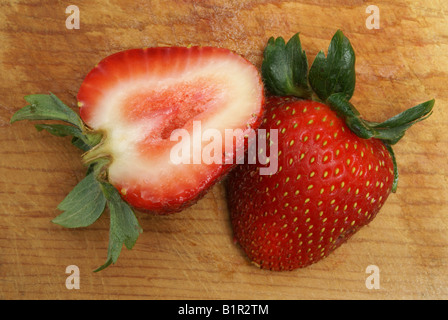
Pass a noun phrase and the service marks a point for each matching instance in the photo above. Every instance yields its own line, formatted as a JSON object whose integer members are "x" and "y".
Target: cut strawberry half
{"x": 138, "y": 98}
{"x": 139, "y": 110}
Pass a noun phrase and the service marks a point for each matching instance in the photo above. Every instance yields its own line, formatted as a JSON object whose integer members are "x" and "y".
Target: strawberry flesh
{"x": 138, "y": 97}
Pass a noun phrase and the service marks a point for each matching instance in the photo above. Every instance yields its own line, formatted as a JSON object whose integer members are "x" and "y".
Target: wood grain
{"x": 191, "y": 255}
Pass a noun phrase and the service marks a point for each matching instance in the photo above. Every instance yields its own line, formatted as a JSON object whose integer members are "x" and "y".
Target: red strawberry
{"x": 137, "y": 98}
{"x": 329, "y": 183}
{"x": 334, "y": 171}
{"x": 131, "y": 104}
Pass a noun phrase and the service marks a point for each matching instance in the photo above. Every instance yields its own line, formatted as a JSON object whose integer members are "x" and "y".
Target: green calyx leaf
{"x": 86, "y": 203}
{"x": 393, "y": 129}
{"x": 285, "y": 67}
{"x": 47, "y": 107}
{"x": 82, "y": 140}
{"x": 83, "y": 205}
{"x": 389, "y": 131}
{"x": 332, "y": 80}
{"x": 394, "y": 161}
{"x": 50, "y": 107}
{"x": 336, "y": 72}
{"x": 124, "y": 227}
{"x": 89, "y": 199}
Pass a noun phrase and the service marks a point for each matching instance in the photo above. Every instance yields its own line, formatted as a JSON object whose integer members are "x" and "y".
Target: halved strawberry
{"x": 137, "y": 98}
{"x": 140, "y": 109}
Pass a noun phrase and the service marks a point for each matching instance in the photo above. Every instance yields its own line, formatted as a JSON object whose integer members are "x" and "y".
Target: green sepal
{"x": 50, "y": 107}
{"x": 83, "y": 205}
{"x": 285, "y": 67}
{"x": 389, "y": 131}
{"x": 88, "y": 200}
{"x": 79, "y": 143}
{"x": 124, "y": 226}
{"x": 60, "y": 130}
{"x": 393, "y": 129}
{"x": 82, "y": 140}
{"x": 336, "y": 72}
{"x": 394, "y": 161}
{"x": 338, "y": 103}
{"x": 46, "y": 107}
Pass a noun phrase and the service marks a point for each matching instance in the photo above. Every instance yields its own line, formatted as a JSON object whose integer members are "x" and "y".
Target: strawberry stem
{"x": 97, "y": 152}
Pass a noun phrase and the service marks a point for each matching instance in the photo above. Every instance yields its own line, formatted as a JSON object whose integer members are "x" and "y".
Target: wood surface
{"x": 191, "y": 255}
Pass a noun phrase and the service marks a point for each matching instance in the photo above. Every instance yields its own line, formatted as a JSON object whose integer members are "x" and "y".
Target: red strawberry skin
{"x": 329, "y": 183}
{"x": 138, "y": 97}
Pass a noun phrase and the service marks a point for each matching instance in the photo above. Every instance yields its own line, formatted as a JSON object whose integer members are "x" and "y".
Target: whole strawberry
{"x": 334, "y": 169}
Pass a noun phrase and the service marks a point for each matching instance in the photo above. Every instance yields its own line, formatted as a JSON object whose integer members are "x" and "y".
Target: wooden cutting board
{"x": 191, "y": 255}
